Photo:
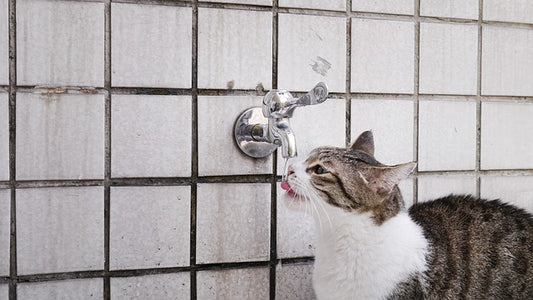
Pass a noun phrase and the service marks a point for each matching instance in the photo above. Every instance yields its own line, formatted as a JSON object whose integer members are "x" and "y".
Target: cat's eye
{"x": 318, "y": 169}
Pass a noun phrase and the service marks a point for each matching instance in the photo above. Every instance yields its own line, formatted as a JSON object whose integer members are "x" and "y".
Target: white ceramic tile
{"x": 507, "y": 61}
{"x": 431, "y": 187}
{"x": 60, "y": 136}
{"x": 404, "y": 7}
{"x": 506, "y": 135}
{"x": 391, "y": 122}
{"x": 517, "y": 190}
{"x": 4, "y": 42}
{"x": 317, "y": 125}
{"x": 234, "y": 49}
{"x": 4, "y": 292}
{"x": 60, "y": 43}
{"x": 382, "y": 56}
{"x": 5, "y": 217}
{"x": 151, "y": 45}
{"x": 252, "y": 2}
{"x": 4, "y": 136}
{"x": 315, "y": 4}
{"x": 510, "y": 11}
{"x": 137, "y": 239}
{"x": 160, "y": 287}
{"x": 406, "y": 187}
{"x": 62, "y": 290}
{"x": 60, "y": 229}
{"x": 465, "y": 9}
{"x": 150, "y": 136}
{"x": 294, "y": 282}
{"x": 216, "y": 123}
{"x": 234, "y": 284}
{"x": 295, "y": 229}
{"x": 447, "y": 135}
{"x": 311, "y": 49}
{"x": 240, "y": 213}
{"x": 448, "y": 58}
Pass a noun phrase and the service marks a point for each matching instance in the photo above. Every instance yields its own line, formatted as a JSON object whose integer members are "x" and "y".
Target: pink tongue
{"x": 286, "y": 186}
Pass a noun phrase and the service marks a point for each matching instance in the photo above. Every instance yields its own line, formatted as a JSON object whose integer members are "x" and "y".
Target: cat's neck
{"x": 364, "y": 259}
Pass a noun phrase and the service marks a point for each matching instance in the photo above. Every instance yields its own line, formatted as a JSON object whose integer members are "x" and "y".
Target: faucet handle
{"x": 317, "y": 95}
{"x": 281, "y": 104}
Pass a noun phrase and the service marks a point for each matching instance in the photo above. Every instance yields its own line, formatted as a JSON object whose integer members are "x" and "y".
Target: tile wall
{"x": 119, "y": 177}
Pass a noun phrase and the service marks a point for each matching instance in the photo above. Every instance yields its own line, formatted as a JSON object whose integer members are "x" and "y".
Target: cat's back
{"x": 478, "y": 249}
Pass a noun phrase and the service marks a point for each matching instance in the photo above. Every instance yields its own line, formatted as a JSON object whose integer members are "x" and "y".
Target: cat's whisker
{"x": 309, "y": 195}
{"x": 313, "y": 205}
{"x": 316, "y": 198}
{"x": 300, "y": 203}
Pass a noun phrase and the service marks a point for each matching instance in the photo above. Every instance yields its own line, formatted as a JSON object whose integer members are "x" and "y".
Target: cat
{"x": 369, "y": 246}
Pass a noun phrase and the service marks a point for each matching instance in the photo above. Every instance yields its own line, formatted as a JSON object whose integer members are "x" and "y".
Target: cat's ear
{"x": 383, "y": 179}
{"x": 365, "y": 143}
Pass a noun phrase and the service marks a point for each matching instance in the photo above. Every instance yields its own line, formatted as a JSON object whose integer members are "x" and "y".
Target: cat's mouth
{"x": 287, "y": 187}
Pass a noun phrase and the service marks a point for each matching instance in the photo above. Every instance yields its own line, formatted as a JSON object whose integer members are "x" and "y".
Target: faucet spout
{"x": 281, "y": 134}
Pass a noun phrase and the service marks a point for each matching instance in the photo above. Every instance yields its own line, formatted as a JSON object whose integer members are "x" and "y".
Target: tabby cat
{"x": 370, "y": 247}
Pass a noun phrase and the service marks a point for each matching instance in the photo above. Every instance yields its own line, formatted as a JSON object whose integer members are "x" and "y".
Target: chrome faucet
{"x": 261, "y": 130}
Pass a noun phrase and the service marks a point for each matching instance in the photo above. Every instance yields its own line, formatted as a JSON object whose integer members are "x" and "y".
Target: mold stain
{"x": 230, "y": 84}
{"x": 321, "y": 66}
{"x": 260, "y": 89}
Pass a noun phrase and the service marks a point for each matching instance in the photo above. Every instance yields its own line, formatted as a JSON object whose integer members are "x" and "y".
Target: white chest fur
{"x": 356, "y": 259}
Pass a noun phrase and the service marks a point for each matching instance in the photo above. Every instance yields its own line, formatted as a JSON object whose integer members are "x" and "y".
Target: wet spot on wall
{"x": 321, "y": 66}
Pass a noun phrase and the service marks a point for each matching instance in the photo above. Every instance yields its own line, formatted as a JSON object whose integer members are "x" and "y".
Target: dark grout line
{"x": 311, "y": 11}
{"x": 137, "y": 181}
{"x": 255, "y": 178}
{"x": 232, "y": 265}
{"x": 44, "y": 277}
{"x": 448, "y": 20}
{"x": 12, "y": 14}
{"x": 499, "y": 172}
{"x": 348, "y": 109}
{"x": 59, "y": 276}
{"x": 234, "y": 6}
{"x": 194, "y": 148}
{"x": 107, "y": 146}
{"x": 479, "y": 98}
{"x": 179, "y": 3}
{"x": 253, "y": 92}
{"x": 272, "y": 177}
{"x": 275, "y": 43}
{"x": 508, "y": 24}
{"x": 187, "y": 181}
{"x": 149, "y": 271}
{"x": 416, "y": 97}
{"x": 151, "y": 91}
{"x": 296, "y": 260}
{"x": 161, "y": 181}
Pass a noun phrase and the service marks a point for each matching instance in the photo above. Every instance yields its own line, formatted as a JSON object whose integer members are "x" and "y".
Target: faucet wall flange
{"x": 251, "y": 133}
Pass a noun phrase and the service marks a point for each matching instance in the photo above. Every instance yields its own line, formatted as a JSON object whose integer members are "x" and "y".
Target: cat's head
{"x": 347, "y": 179}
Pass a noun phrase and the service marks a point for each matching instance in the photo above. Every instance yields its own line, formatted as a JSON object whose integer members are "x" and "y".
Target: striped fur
{"x": 479, "y": 249}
